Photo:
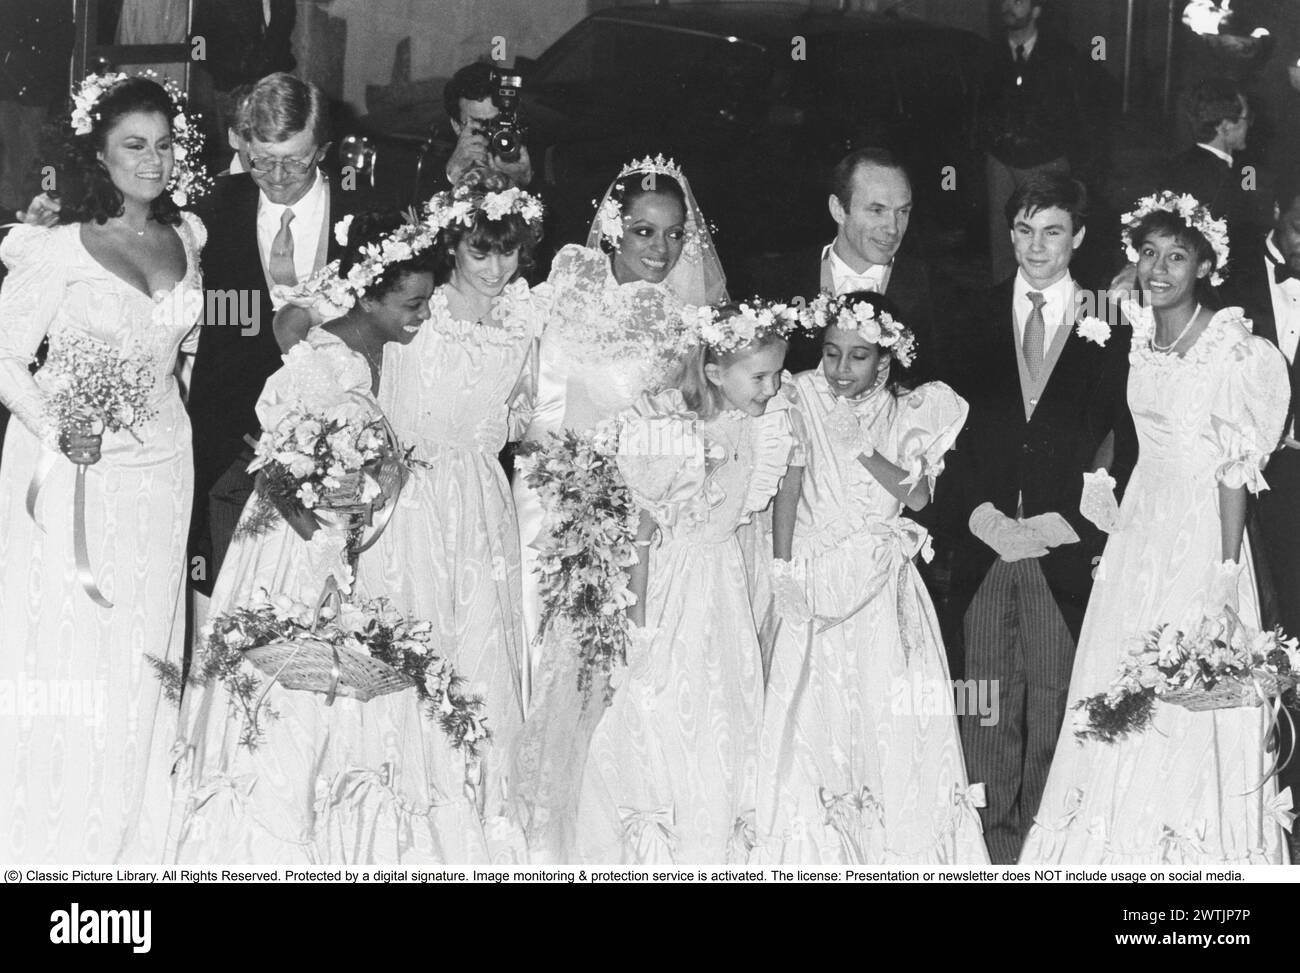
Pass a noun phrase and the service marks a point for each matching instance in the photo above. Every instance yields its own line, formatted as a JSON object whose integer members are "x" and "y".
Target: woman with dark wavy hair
{"x": 95, "y": 501}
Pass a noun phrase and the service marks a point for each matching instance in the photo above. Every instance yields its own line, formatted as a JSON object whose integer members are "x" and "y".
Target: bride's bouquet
{"x": 351, "y": 648}
{"x": 1221, "y": 663}
{"x": 315, "y": 458}
{"x": 588, "y": 542}
{"x": 87, "y": 383}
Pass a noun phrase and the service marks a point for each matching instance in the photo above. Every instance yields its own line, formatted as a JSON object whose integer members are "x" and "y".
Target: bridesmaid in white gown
{"x": 1208, "y": 401}
{"x": 456, "y": 394}
{"x": 347, "y": 783}
{"x": 860, "y": 761}
{"x": 85, "y": 754}
{"x": 671, "y": 771}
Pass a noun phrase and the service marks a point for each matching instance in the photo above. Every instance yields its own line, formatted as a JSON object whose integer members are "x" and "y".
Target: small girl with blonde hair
{"x": 671, "y": 768}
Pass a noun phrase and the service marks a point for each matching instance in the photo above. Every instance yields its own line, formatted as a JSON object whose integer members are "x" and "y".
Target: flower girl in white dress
{"x": 671, "y": 769}
{"x": 861, "y": 762}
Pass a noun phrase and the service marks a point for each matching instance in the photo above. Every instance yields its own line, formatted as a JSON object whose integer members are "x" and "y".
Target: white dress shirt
{"x": 1057, "y": 304}
{"x": 846, "y": 279}
{"x": 1225, "y": 156}
{"x": 309, "y": 215}
{"x": 1028, "y": 45}
{"x": 1286, "y": 304}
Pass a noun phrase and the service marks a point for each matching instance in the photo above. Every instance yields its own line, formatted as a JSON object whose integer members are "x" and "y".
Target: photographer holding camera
{"x": 480, "y": 102}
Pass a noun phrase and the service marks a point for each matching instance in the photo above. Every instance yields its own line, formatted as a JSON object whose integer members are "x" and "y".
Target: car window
{"x": 643, "y": 67}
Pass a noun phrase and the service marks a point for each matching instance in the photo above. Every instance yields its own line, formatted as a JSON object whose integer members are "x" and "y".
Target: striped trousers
{"x": 1018, "y": 641}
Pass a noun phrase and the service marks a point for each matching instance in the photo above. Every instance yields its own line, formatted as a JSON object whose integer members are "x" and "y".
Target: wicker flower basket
{"x": 315, "y": 666}
{"x": 1231, "y": 693}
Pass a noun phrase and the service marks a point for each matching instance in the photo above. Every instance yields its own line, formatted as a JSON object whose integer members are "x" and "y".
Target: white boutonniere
{"x": 341, "y": 230}
{"x": 1094, "y": 329}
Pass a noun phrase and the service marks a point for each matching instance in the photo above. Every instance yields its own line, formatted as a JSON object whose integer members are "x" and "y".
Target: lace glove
{"x": 1222, "y": 588}
{"x": 1098, "y": 500}
{"x": 788, "y": 587}
{"x": 846, "y": 431}
{"x": 1011, "y": 540}
{"x": 490, "y": 433}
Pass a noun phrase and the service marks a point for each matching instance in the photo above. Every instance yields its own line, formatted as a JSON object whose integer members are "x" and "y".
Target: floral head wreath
{"x": 875, "y": 326}
{"x": 753, "y": 319}
{"x": 189, "y": 178}
{"x": 610, "y": 214}
{"x": 1197, "y": 217}
{"x": 459, "y": 205}
{"x": 403, "y": 243}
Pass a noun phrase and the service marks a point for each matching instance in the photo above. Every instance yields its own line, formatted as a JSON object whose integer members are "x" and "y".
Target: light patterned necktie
{"x": 1035, "y": 330}
{"x": 282, "y": 269}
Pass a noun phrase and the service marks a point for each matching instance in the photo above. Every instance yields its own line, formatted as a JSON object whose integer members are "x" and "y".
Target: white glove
{"x": 1098, "y": 500}
{"x": 1011, "y": 540}
{"x": 846, "y": 431}
{"x": 43, "y": 211}
{"x": 490, "y": 434}
{"x": 788, "y": 588}
{"x": 1222, "y": 587}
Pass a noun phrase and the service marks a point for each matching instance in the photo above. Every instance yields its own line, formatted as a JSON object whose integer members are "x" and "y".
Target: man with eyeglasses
{"x": 268, "y": 229}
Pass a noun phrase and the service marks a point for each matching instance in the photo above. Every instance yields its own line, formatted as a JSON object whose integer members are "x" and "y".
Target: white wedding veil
{"x": 698, "y": 277}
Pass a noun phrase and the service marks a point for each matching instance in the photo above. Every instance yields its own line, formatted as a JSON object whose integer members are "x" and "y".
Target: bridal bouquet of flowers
{"x": 319, "y": 458}
{"x": 588, "y": 542}
{"x": 1220, "y": 663}
{"x": 86, "y": 382}
{"x": 357, "y": 649}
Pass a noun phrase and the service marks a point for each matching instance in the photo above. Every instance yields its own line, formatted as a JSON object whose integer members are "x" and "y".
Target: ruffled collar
{"x": 1227, "y": 328}
{"x": 508, "y": 321}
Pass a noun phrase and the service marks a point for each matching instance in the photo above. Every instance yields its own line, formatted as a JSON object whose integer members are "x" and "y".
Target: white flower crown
{"x": 403, "y": 243}
{"x": 1197, "y": 217}
{"x": 756, "y": 318}
{"x": 189, "y": 177}
{"x": 460, "y": 204}
{"x": 879, "y": 328}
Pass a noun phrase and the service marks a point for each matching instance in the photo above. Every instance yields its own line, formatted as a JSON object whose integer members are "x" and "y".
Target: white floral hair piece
{"x": 189, "y": 178}
{"x": 412, "y": 237}
{"x": 1197, "y": 217}
{"x": 878, "y": 327}
{"x": 754, "y": 319}
{"x": 460, "y": 204}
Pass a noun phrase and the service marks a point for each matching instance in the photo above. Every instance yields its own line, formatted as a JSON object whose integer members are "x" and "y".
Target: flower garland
{"x": 1218, "y": 653}
{"x": 413, "y": 236}
{"x": 1190, "y": 211}
{"x": 189, "y": 179}
{"x": 459, "y": 205}
{"x": 754, "y": 319}
{"x": 374, "y": 628}
{"x": 878, "y": 327}
{"x": 588, "y": 543}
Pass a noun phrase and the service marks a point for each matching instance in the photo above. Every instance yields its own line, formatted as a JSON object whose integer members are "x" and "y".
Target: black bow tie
{"x": 1282, "y": 272}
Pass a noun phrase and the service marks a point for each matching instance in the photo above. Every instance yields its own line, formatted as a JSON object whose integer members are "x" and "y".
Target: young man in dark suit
{"x": 1211, "y": 170}
{"x": 1043, "y": 400}
{"x": 272, "y": 226}
{"x": 871, "y": 203}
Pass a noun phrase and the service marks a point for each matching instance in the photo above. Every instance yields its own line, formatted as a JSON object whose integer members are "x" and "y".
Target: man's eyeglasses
{"x": 292, "y": 167}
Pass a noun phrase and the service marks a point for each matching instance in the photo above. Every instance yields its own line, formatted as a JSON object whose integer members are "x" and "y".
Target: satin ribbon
{"x": 971, "y": 797}
{"x": 79, "y": 548}
{"x": 643, "y": 830}
{"x": 1279, "y": 808}
{"x": 34, "y": 488}
{"x": 851, "y": 816}
{"x": 1193, "y": 842}
{"x": 1274, "y": 730}
{"x": 908, "y": 539}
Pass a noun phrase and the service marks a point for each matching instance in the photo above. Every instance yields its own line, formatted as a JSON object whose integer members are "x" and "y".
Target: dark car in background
{"x": 757, "y": 101}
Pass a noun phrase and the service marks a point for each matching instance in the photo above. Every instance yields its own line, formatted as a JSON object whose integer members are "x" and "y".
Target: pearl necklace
{"x": 1165, "y": 349}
